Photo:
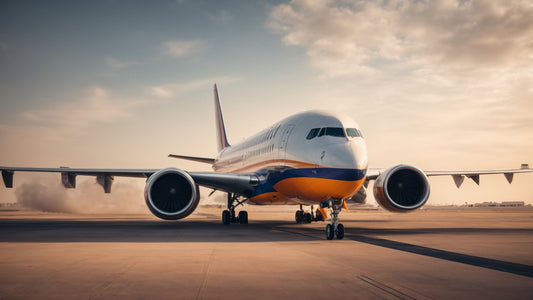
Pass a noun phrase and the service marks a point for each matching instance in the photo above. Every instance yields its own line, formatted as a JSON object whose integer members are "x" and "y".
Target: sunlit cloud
{"x": 440, "y": 71}
{"x": 182, "y": 48}
{"x": 98, "y": 105}
{"x": 362, "y": 37}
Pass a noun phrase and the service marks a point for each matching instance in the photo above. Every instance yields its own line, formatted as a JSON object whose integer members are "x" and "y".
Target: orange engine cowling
{"x": 401, "y": 188}
{"x": 171, "y": 194}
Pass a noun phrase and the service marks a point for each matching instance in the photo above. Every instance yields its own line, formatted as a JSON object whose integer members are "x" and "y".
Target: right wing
{"x": 459, "y": 176}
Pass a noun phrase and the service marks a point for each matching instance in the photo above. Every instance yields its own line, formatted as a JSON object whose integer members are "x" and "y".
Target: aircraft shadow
{"x": 201, "y": 231}
{"x": 362, "y": 235}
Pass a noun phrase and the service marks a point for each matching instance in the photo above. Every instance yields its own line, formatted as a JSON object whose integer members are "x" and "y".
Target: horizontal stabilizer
{"x": 194, "y": 158}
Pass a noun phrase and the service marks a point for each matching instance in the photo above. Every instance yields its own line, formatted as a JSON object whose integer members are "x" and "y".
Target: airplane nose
{"x": 352, "y": 155}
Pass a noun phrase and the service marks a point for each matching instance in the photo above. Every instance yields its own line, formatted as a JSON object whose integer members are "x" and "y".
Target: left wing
{"x": 234, "y": 183}
{"x": 459, "y": 176}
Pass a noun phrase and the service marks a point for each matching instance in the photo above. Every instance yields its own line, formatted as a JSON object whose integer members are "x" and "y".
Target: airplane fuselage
{"x": 307, "y": 158}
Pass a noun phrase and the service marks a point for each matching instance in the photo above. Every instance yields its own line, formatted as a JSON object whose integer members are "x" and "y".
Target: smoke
{"x": 48, "y": 195}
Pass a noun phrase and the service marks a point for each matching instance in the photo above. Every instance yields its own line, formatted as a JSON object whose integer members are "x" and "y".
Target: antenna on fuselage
{"x": 222, "y": 140}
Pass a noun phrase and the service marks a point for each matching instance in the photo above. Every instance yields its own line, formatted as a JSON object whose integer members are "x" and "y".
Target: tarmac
{"x": 470, "y": 253}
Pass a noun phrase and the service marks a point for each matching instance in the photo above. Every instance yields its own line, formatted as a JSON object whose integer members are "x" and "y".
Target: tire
{"x": 298, "y": 216}
{"x": 318, "y": 216}
{"x": 226, "y": 217}
{"x": 243, "y": 217}
{"x": 329, "y": 232}
{"x": 340, "y": 232}
{"x": 307, "y": 218}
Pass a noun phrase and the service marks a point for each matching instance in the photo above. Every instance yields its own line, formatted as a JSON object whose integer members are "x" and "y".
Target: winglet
{"x": 222, "y": 140}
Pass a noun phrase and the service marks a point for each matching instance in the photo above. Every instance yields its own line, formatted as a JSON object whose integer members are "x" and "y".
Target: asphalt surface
{"x": 428, "y": 254}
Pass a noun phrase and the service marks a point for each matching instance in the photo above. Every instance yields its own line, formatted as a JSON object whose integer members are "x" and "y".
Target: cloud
{"x": 98, "y": 105}
{"x": 170, "y": 90}
{"x": 445, "y": 74}
{"x": 182, "y": 48}
{"x": 345, "y": 38}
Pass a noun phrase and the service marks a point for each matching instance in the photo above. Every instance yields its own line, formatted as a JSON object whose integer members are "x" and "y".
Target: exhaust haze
{"x": 48, "y": 195}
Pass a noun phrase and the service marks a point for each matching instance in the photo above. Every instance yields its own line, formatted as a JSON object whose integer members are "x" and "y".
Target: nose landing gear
{"x": 335, "y": 228}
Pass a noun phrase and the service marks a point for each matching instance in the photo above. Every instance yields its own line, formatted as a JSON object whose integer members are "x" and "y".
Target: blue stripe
{"x": 273, "y": 176}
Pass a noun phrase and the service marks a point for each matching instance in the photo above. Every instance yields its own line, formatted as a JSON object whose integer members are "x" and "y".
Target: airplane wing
{"x": 459, "y": 176}
{"x": 234, "y": 183}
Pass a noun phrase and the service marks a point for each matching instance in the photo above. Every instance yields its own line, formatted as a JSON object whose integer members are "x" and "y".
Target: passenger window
{"x": 313, "y": 133}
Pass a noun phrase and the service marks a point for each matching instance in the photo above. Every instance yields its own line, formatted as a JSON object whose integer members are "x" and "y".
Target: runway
{"x": 428, "y": 254}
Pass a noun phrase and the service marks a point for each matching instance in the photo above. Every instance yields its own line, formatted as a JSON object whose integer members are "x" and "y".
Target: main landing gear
{"x": 303, "y": 217}
{"x": 335, "y": 228}
{"x": 228, "y": 215}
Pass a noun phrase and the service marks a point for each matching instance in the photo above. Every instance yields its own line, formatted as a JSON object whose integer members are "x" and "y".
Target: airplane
{"x": 310, "y": 158}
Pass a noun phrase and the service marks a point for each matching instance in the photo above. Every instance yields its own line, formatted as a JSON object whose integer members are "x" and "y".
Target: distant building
{"x": 503, "y": 204}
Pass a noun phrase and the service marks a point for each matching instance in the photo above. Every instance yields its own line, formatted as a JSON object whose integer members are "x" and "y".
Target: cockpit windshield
{"x": 332, "y": 131}
{"x": 354, "y": 132}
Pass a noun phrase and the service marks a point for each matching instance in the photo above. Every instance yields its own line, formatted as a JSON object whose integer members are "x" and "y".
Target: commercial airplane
{"x": 311, "y": 158}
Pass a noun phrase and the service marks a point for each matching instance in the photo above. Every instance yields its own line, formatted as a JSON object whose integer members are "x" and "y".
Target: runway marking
{"x": 487, "y": 263}
{"x": 385, "y": 288}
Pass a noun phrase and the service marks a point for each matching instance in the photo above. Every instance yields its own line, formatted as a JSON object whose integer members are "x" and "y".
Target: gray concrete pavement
{"x": 428, "y": 254}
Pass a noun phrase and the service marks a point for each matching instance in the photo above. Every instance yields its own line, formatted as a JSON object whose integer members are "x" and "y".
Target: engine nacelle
{"x": 401, "y": 188}
{"x": 171, "y": 194}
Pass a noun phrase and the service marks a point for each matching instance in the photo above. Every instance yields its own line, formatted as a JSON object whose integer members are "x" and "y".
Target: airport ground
{"x": 481, "y": 253}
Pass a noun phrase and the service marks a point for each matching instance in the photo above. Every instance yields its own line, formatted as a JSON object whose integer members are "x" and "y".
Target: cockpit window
{"x": 353, "y": 132}
{"x": 313, "y": 133}
{"x": 331, "y": 131}
{"x": 335, "y": 131}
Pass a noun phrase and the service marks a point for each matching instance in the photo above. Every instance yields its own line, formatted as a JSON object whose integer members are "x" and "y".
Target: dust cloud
{"x": 48, "y": 195}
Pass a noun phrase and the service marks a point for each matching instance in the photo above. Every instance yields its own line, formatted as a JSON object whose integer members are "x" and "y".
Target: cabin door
{"x": 286, "y": 134}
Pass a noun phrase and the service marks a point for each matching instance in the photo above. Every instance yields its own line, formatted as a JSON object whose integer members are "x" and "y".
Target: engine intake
{"x": 402, "y": 189}
{"x": 171, "y": 194}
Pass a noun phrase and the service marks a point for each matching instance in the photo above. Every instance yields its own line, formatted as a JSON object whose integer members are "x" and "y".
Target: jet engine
{"x": 401, "y": 189}
{"x": 171, "y": 194}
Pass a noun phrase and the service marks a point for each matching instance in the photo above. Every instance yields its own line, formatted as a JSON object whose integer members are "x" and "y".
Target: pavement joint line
{"x": 384, "y": 287}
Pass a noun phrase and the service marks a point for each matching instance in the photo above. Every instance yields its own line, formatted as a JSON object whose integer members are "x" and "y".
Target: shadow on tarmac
{"x": 202, "y": 231}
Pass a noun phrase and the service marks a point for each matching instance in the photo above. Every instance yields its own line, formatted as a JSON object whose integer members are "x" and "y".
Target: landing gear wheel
{"x": 226, "y": 217}
{"x": 319, "y": 216}
{"x": 243, "y": 217}
{"x": 299, "y": 216}
{"x": 307, "y": 218}
{"x": 340, "y": 232}
{"x": 329, "y": 232}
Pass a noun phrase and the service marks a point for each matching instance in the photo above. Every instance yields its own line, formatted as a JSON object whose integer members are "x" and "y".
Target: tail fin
{"x": 221, "y": 128}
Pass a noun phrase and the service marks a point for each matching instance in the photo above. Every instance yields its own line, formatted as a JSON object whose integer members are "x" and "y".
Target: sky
{"x": 441, "y": 85}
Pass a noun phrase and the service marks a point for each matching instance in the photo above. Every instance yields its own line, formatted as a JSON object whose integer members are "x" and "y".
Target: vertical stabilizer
{"x": 222, "y": 140}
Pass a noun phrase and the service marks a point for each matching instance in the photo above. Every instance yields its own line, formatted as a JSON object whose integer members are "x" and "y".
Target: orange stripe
{"x": 290, "y": 163}
{"x": 318, "y": 189}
